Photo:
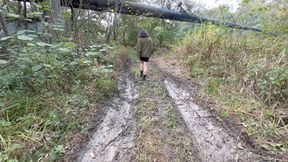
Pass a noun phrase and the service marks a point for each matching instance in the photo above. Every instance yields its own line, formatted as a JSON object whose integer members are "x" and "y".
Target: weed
{"x": 248, "y": 79}
{"x": 49, "y": 93}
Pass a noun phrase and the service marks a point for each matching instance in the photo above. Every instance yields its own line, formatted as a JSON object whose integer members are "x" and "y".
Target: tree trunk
{"x": 55, "y": 10}
{"x": 19, "y": 8}
{"x": 108, "y": 38}
{"x": 125, "y": 29}
{"x": 114, "y": 27}
{"x": 25, "y": 14}
{"x": 72, "y": 19}
{"x": 3, "y": 23}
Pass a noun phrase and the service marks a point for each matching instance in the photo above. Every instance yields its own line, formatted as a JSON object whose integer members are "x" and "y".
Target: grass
{"x": 258, "y": 120}
{"x": 245, "y": 78}
{"x": 148, "y": 138}
{"x": 33, "y": 128}
{"x": 47, "y": 126}
{"x": 160, "y": 124}
{"x": 173, "y": 121}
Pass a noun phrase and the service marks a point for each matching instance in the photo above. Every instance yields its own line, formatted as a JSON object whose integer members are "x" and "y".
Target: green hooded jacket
{"x": 145, "y": 47}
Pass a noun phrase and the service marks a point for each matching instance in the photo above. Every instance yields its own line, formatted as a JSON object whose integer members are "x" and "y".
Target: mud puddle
{"x": 114, "y": 139}
{"x": 213, "y": 142}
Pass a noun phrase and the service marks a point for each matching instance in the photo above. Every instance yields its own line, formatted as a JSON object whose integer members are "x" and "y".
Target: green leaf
{"x": 96, "y": 46}
{"x": 32, "y": 35}
{"x": 59, "y": 149}
{"x": 31, "y": 44}
{"x": 20, "y": 32}
{"x": 64, "y": 49}
{"x": 58, "y": 29}
{"x": 3, "y": 62}
{"x": 12, "y": 15}
{"x": 4, "y": 123}
{"x": 47, "y": 65}
{"x": 35, "y": 14}
{"x": 17, "y": 146}
{"x": 36, "y": 67}
{"x": 103, "y": 50}
{"x": 92, "y": 53}
{"x": 5, "y": 38}
{"x": 41, "y": 44}
{"x": 70, "y": 45}
{"x": 46, "y": 35}
{"x": 1, "y": 104}
{"x": 73, "y": 63}
{"x": 67, "y": 39}
{"x": 67, "y": 15}
{"x": 24, "y": 38}
{"x": 12, "y": 160}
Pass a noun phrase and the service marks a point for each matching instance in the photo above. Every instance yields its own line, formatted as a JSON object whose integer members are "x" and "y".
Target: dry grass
{"x": 246, "y": 76}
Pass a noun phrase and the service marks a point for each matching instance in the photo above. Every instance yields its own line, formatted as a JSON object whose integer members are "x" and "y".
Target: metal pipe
{"x": 137, "y": 9}
{"x": 133, "y": 8}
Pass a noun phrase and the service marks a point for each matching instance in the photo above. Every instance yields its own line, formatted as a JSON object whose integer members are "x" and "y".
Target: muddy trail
{"x": 113, "y": 140}
{"x": 159, "y": 120}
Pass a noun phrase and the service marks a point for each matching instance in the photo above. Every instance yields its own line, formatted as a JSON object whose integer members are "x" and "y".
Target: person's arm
{"x": 139, "y": 48}
{"x": 152, "y": 47}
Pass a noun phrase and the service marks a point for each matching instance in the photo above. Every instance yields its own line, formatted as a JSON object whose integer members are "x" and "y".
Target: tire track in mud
{"x": 114, "y": 139}
{"x": 162, "y": 134}
{"x": 212, "y": 141}
{"x": 214, "y": 144}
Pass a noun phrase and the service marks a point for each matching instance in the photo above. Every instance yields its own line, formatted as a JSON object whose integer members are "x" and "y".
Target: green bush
{"x": 49, "y": 92}
{"x": 241, "y": 58}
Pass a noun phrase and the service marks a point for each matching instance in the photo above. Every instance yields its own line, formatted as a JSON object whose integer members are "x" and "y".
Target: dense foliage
{"x": 54, "y": 78}
{"x": 49, "y": 92}
{"x": 246, "y": 72}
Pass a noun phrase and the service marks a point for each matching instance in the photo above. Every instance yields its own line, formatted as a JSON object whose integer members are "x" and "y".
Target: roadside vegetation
{"x": 246, "y": 73}
{"x": 49, "y": 94}
{"x": 60, "y": 65}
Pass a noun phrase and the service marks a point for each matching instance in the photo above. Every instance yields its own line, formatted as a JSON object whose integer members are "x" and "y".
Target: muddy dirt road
{"x": 113, "y": 141}
{"x": 158, "y": 120}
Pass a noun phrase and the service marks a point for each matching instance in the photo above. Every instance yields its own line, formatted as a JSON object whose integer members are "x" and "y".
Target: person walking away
{"x": 145, "y": 51}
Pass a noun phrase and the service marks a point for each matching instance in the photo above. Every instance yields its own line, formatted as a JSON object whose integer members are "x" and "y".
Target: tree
{"x": 55, "y": 10}
{"x": 3, "y": 22}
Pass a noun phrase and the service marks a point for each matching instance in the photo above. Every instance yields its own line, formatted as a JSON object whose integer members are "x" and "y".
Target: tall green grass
{"x": 245, "y": 72}
{"x": 50, "y": 94}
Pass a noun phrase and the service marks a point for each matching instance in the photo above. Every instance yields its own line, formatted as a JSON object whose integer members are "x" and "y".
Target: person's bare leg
{"x": 145, "y": 68}
{"x": 141, "y": 68}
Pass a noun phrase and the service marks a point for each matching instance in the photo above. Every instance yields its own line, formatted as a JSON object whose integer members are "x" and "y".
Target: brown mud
{"x": 114, "y": 139}
{"x": 186, "y": 93}
{"x": 163, "y": 119}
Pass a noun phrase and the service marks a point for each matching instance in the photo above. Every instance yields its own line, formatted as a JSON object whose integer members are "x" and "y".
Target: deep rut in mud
{"x": 212, "y": 141}
{"x": 214, "y": 144}
{"x": 167, "y": 126}
{"x": 113, "y": 140}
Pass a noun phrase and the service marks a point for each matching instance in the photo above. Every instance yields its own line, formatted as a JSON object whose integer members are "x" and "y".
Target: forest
{"x": 216, "y": 90}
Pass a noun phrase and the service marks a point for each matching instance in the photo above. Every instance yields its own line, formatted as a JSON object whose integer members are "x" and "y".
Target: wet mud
{"x": 212, "y": 138}
{"x": 114, "y": 139}
{"x": 214, "y": 144}
{"x": 160, "y": 120}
